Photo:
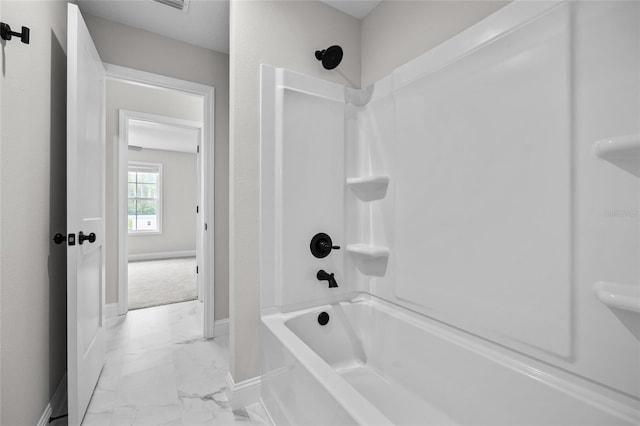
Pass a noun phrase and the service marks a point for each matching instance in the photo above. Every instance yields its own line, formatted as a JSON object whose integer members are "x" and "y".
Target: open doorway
{"x": 163, "y": 198}
{"x": 164, "y": 160}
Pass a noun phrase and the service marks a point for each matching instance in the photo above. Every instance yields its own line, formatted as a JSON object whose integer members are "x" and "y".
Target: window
{"x": 145, "y": 203}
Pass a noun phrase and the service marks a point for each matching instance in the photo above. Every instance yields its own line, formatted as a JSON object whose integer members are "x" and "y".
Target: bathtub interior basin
{"x": 377, "y": 363}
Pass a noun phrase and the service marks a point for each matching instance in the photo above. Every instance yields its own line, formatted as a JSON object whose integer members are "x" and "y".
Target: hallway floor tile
{"x": 160, "y": 371}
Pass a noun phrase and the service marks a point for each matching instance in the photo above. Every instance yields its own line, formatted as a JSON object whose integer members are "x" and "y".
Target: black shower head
{"x": 330, "y": 57}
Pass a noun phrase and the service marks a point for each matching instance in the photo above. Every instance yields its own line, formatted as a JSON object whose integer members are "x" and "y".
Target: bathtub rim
{"x": 615, "y": 403}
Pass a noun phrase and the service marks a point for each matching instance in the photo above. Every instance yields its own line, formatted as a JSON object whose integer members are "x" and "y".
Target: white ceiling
{"x": 166, "y": 137}
{"x": 205, "y": 23}
{"x": 356, "y": 8}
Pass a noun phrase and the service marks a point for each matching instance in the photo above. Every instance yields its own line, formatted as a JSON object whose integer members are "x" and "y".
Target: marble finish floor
{"x": 160, "y": 371}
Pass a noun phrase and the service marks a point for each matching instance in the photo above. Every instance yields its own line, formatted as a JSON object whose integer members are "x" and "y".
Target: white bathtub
{"x": 375, "y": 363}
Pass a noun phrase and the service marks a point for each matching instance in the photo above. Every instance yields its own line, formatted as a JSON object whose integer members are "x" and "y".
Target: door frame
{"x": 207, "y": 216}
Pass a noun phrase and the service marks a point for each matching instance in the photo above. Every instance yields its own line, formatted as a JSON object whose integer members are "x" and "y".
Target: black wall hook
{"x": 6, "y": 33}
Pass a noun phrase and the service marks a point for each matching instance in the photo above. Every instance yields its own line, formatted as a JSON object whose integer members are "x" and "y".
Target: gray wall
{"x": 133, "y": 97}
{"x": 134, "y": 48}
{"x": 397, "y": 31}
{"x": 282, "y": 34}
{"x": 33, "y": 189}
{"x": 179, "y": 198}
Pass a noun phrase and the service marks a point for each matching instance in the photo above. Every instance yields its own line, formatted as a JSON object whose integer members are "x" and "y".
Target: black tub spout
{"x": 322, "y": 275}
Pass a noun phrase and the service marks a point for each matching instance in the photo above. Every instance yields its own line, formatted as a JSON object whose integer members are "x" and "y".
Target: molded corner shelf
{"x": 623, "y": 151}
{"x": 619, "y": 296}
{"x": 370, "y": 259}
{"x": 369, "y": 188}
{"x": 624, "y": 147}
{"x": 368, "y": 250}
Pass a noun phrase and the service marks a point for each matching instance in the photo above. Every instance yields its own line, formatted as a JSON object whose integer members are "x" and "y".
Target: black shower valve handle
{"x": 321, "y": 245}
{"x": 326, "y": 245}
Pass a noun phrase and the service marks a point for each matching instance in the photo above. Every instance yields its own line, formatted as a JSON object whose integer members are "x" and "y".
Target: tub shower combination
{"x": 439, "y": 248}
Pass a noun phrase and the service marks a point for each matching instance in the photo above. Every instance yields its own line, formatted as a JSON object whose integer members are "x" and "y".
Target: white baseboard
{"x": 57, "y": 403}
{"x": 161, "y": 255}
{"x": 221, "y": 327}
{"x": 111, "y": 310}
{"x": 44, "y": 419}
{"x": 267, "y": 414}
{"x": 244, "y": 393}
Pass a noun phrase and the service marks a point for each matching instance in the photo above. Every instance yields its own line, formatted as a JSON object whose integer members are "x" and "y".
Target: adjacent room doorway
{"x": 163, "y": 196}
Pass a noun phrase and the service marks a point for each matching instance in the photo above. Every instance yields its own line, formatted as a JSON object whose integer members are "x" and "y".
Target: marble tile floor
{"x": 160, "y": 371}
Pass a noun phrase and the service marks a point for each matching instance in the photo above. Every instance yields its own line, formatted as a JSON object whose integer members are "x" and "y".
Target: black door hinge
{"x": 197, "y": 270}
{"x": 197, "y": 209}
{"x": 198, "y": 149}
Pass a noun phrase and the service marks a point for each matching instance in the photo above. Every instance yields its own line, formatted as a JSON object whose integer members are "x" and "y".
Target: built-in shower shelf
{"x": 624, "y": 147}
{"x": 370, "y": 259}
{"x": 369, "y": 188}
{"x": 623, "y": 151}
{"x": 619, "y": 296}
{"x": 368, "y": 250}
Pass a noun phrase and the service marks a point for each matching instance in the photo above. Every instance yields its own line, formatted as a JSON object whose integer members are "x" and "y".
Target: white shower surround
{"x": 513, "y": 275}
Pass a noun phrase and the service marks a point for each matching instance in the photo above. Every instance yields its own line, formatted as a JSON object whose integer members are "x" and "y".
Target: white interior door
{"x": 85, "y": 215}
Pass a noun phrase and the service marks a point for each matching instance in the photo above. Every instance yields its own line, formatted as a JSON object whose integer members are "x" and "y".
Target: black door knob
{"x": 59, "y": 238}
{"x": 82, "y": 237}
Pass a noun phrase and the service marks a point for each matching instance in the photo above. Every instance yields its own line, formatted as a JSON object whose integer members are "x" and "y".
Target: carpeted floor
{"x": 160, "y": 282}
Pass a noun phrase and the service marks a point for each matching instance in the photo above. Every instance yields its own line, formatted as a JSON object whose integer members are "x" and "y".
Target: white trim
{"x": 123, "y": 162}
{"x": 222, "y": 327}
{"x": 161, "y": 255}
{"x": 208, "y": 216}
{"x": 130, "y": 75}
{"x": 111, "y": 310}
{"x": 57, "y": 403}
{"x": 46, "y": 415}
{"x": 244, "y": 393}
{"x": 1, "y": 144}
{"x": 163, "y": 119}
{"x": 206, "y": 156}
